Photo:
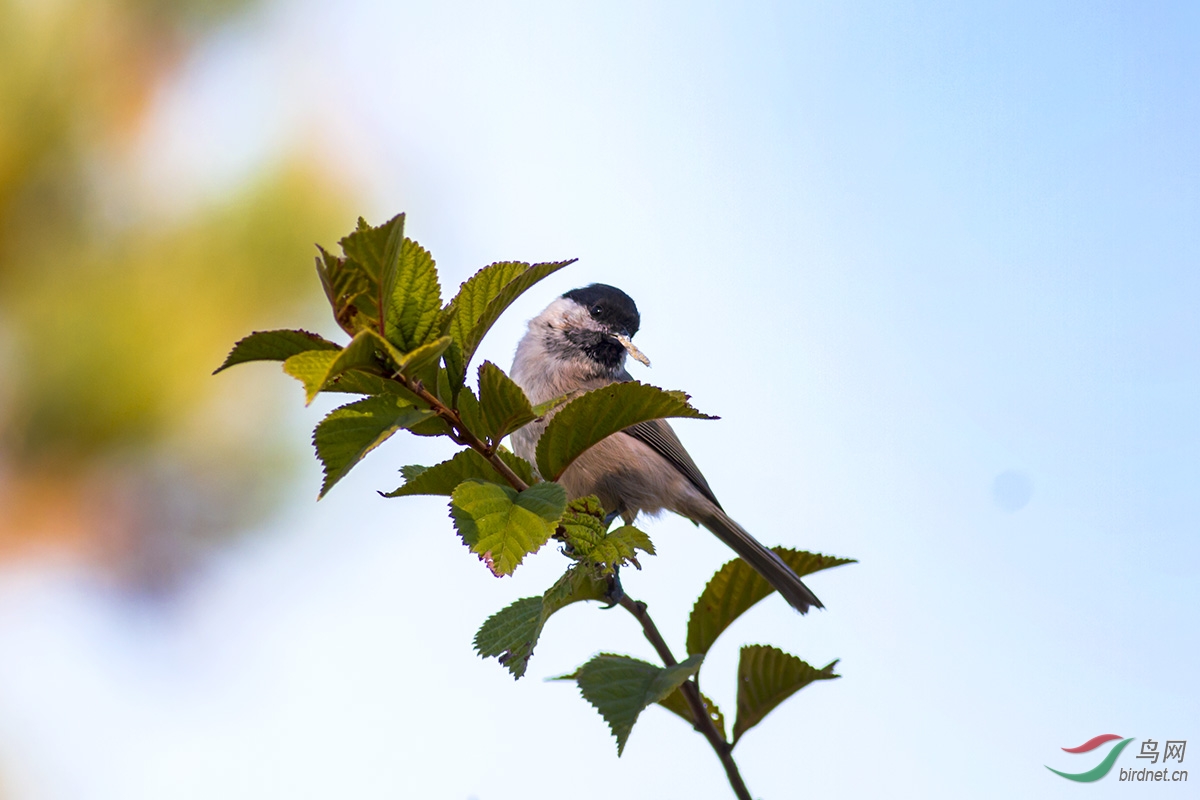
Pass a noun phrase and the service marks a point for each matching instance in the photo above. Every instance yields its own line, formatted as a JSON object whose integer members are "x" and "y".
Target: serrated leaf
{"x": 520, "y": 466}
{"x": 470, "y": 412}
{"x": 502, "y": 526}
{"x": 358, "y": 355}
{"x": 483, "y": 298}
{"x": 766, "y": 677}
{"x": 602, "y": 412}
{"x": 542, "y": 409}
{"x": 676, "y": 703}
{"x": 412, "y": 470}
{"x": 368, "y": 353}
{"x": 443, "y": 478}
{"x": 434, "y": 426}
{"x": 505, "y": 406}
{"x": 376, "y": 250}
{"x": 352, "y": 431}
{"x": 445, "y": 318}
{"x": 367, "y": 244}
{"x": 588, "y": 505}
{"x": 274, "y": 346}
{"x": 387, "y": 283}
{"x": 588, "y": 539}
{"x": 358, "y": 382}
{"x": 390, "y": 273}
{"x": 511, "y": 634}
{"x": 583, "y": 525}
{"x": 394, "y": 355}
{"x": 415, "y": 303}
{"x": 476, "y": 292}
{"x": 311, "y": 368}
{"x": 620, "y": 687}
{"x": 736, "y": 587}
{"x": 621, "y": 547}
{"x": 363, "y": 249}
{"x": 413, "y": 362}
{"x": 456, "y": 368}
{"x": 424, "y": 356}
{"x": 345, "y": 286}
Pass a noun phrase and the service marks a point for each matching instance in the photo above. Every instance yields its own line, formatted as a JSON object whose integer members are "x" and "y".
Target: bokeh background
{"x": 934, "y": 264}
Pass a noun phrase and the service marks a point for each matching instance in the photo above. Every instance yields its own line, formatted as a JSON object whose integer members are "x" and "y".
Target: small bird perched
{"x": 580, "y": 343}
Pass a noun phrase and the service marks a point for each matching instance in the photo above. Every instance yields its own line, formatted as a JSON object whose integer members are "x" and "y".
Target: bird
{"x": 579, "y": 343}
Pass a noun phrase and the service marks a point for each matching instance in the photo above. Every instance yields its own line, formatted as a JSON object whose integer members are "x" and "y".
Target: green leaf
{"x": 359, "y": 354}
{"x": 474, "y": 295}
{"x": 424, "y": 356}
{"x": 676, "y": 703}
{"x": 415, "y": 303}
{"x": 583, "y": 525}
{"x": 589, "y": 541}
{"x": 620, "y": 687}
{"x": 311, "y": 368}
{"x": 470, "y": 412}
{"x": 358, "y": 382}
{"x": 443, "y": 478}
{"x": 352, "y": 431}
{"x": 511, "y": 634}
{"x": 274, "y": 346}
{"x": 376, "y": 250}
{"x": 736, "y": 587}
{"x": 364, "y": 249}
{"x": 621, "y": 547}
{"x": 387, "y": 283}
{"x": 346, "y": 285}
{"x": 542, "y": 409}
{"x": 767, "y": 677}
{"x": 390, "y": 273}
{"x": 520, "y": 466}
{"x": 411, "y": 362}
{"x": 434, "y": 426}
{"x": 483, "y": 298}
{"x": 317, "y": 370}
{"x": 367, "y": 245}
{"x": 505, "y": 406}
{"x": 394, "y": 355}
{"x": 502, "y": 526}
{"x": 602, "y": 412}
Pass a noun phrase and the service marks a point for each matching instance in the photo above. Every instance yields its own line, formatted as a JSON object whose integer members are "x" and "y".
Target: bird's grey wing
{"x": 661, "y": 438}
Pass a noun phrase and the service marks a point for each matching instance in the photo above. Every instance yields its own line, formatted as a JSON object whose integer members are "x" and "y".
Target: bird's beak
{"x": 631, "y": 348}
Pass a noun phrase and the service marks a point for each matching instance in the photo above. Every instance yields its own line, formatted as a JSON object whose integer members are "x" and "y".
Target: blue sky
{"x": 935, "y": 268}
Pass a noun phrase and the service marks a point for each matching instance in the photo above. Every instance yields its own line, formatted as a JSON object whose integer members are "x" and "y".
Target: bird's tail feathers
{"x": 764, "y": 561}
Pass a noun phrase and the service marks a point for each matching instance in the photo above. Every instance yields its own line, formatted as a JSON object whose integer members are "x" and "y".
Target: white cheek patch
{"x": 631, "y": 348}
{"x": 568, "y": 315}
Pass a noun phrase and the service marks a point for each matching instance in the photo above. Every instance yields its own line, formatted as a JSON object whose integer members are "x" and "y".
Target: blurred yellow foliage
{"x": 109, "y": 331}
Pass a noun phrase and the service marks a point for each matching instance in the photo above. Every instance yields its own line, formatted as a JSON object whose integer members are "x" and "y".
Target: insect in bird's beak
{"x": 631, "y": 348}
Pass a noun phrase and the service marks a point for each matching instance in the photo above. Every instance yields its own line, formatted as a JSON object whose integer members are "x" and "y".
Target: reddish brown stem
{"x": 691, "y": 693}
{"x": 463, "y": 435}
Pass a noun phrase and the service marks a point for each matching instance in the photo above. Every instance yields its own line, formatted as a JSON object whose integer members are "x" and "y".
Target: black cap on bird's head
{"x": 608, "y": 306}
{"x": 612, "y": 319}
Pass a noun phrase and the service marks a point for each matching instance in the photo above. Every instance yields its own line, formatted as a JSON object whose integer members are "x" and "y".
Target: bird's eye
{"x": 596, "y": 309}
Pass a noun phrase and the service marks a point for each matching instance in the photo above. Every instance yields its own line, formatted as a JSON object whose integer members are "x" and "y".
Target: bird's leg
{"x": 609, "y": 517}
{"x": 614, "y": 593}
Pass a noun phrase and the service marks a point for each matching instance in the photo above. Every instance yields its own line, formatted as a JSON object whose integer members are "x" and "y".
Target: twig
{"x": 461, "y": 434}
{"x": 691, "y": 693}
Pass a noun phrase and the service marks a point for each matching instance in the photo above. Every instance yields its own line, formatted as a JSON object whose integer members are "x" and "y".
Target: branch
{"x": 691, "y": 692}
{"x": 461, "y": 434}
